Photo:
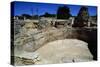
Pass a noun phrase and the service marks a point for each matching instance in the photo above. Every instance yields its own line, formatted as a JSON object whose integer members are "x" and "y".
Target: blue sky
{"x": 30, "y": 7}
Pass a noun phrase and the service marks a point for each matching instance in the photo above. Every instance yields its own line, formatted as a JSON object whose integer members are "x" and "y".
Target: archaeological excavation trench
{"x": 54, "y": 45}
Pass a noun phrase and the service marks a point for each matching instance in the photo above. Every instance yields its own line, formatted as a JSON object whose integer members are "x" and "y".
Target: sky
{"x": 32, "y": 8}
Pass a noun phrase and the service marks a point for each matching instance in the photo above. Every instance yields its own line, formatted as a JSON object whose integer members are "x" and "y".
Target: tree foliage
{"x": 48, "y": 15}
{"x": 82, "y": 18}
{"x": 63, "y": 13}
{"x": 26, "y": 16}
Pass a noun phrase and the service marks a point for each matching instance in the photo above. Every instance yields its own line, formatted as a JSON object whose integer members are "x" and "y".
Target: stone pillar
{"x": 89, "y": 24}
{"x": 24, "y": 18}
{"x": 72, "y": 21}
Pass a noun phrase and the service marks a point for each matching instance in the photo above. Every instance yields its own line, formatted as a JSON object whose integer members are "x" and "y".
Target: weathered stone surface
{"x": 35, "y": 38}
{"x": 38, "y": 38}
{"x": 59, "y": 51}
{"x": 68, "y": 50}
{"x": 26, "y": 58}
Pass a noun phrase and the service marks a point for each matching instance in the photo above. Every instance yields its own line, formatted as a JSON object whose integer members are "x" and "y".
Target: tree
{"x": 63, "y": 13}
{"x": 82, "y": 18}
{"x": 48, "y": 15}
{"x": 26, "y": 16}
